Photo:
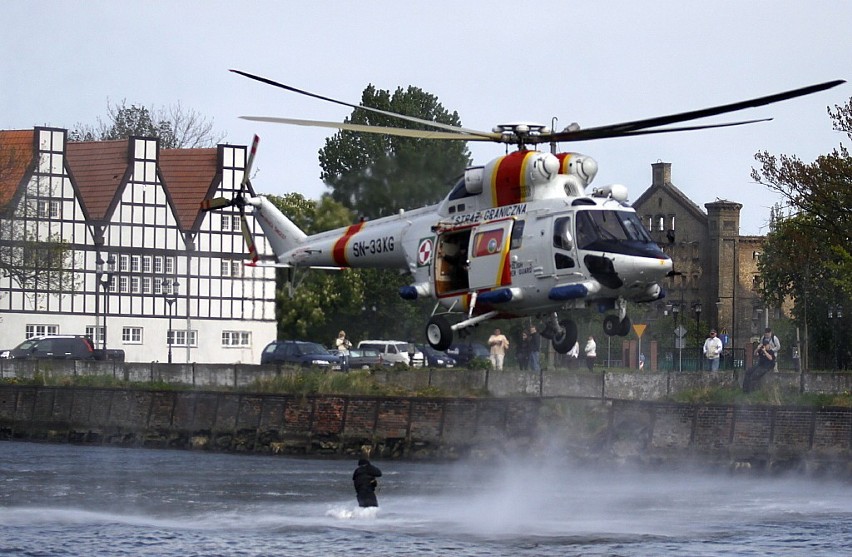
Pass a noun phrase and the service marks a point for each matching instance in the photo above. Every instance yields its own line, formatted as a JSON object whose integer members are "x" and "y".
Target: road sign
{"x": 680, "y": 332}
{"x": 639, "y": 328}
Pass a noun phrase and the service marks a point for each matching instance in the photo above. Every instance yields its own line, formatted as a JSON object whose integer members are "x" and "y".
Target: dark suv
{"x": 57, "y": 347}
{"x": 465, "y": 353}
{"x": 307, "y": 354}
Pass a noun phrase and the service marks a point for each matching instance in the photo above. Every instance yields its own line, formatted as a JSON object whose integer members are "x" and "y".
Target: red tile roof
{"x": 188, "y": 174}
{"x": 16, "y": 153}
{"x": 98, "y": 168}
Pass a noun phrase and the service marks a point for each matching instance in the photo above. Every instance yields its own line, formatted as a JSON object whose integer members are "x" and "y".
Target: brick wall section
{"x": 816, "y": 438}
{"x": 832, "y": 431}
{"x": 713, "y": 426}
{"x": 361, "y": 417}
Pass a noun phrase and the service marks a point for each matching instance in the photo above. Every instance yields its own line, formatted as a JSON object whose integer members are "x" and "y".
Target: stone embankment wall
{"x": 574, "y": 383}
{"x": 814, "y": 440}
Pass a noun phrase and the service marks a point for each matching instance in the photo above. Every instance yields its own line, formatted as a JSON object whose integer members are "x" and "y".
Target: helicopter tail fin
{"x": 281, "y": 233}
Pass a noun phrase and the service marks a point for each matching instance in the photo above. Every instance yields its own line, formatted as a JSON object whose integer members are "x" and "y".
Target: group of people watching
{"x": 528, "y": 354}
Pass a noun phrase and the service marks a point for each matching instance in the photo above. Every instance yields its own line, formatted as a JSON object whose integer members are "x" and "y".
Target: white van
{"x": 396, "y": 352}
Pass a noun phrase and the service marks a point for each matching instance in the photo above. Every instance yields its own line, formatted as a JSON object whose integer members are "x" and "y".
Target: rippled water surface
{"x": 70, "y": 500}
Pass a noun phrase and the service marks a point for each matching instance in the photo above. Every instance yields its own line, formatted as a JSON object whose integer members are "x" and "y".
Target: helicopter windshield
{"x": 595, "y": 227}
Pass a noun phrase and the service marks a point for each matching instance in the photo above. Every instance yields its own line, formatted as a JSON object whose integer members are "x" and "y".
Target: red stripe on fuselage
{"x": 339, "y": 250}
{"x": 506, "y": 184}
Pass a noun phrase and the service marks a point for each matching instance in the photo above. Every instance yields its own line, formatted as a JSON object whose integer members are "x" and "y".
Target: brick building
{"x": 718, "y": 266}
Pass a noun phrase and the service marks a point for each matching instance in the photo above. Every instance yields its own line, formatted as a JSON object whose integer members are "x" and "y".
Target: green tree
{"x": 821, "y": 192}
{"x": 175, "y": 126}
{"x": 310, "y": 310}
{"x": 377, "y": 175}
{"x": 32, "y": 251}
{"x": 806, "y": 256}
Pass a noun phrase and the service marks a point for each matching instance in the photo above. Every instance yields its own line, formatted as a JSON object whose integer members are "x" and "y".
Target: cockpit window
{"x": 594, "y": 226}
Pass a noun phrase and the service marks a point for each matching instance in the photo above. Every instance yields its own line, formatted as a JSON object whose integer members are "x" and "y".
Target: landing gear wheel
{"x": 562, "y": 343}
{"x": 611, "y": 325}
{"x": 624, "y": 327}
{"x": 439, "y": 333}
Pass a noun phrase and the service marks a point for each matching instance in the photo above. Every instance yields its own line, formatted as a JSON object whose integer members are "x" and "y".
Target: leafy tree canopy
{"x": 175, "y": 126}
{"x": 376, "y": 174}
{"x": 820, "y": 193}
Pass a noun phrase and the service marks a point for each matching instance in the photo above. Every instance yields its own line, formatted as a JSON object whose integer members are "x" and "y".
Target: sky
{"x": 588, "y": 61}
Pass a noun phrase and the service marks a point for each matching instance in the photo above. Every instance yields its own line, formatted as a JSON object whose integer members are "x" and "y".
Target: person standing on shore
{"x": 535, "y": 349}
{"x": 591, "y": 352}
{"x": 712, "y": 350}
{"x": 499, "y": 344}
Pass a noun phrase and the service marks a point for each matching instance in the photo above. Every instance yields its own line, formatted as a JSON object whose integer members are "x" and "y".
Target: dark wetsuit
{"x": 365, "y": 482}
{"x": 765, "y": 363}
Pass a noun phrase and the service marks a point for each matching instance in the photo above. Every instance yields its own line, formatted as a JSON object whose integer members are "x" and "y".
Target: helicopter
{"x": 525, "y": 235}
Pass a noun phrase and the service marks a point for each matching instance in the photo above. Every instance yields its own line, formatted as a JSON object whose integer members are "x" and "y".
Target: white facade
{"x": 145, "y": 224}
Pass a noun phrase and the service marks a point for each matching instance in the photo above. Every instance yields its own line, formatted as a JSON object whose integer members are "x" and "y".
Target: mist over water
{"x": 69, "y": 500}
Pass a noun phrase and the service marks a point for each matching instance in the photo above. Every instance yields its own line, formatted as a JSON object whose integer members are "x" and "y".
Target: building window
{"x": 146, "y": 285}
{"x": 135, "y": 264}
{"x": 48, "y": 209}
{"x": 96, "y": 334}
{"x": 158, "y": 285}
{"x": 180, "y": 337}
{"x": 134, "y": 285}
{"x": 236, "y": 338}
{"x": 146, "y": 264}
{"x": 226, "y": 223}
{"x": 123, "y": 284}
{"x": 124, "y": 263}
{"x": 41, "y": 330}
{"x": 131, "y": 335}
{"x": 170, "y": 265}
{"x": 158, "y": 265}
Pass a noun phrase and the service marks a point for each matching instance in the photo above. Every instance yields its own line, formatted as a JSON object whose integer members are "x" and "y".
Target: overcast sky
{"x": 495, "y": 61}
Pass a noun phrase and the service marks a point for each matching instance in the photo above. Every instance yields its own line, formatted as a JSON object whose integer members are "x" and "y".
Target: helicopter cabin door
{"x": 489, "y": 255}
{"x": 451, "y": 261}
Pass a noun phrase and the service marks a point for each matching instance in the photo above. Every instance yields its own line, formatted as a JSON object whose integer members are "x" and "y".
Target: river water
{"x": 71, "y": 500}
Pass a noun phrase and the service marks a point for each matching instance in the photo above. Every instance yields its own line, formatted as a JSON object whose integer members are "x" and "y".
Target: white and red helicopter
{"x": 522, "y": 236}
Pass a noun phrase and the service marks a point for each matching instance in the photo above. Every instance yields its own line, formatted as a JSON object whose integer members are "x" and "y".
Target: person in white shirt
{"x": 712, "y": 350}
{"x": 591, "y": 352}
{"x": 573, "y": 356}
{"x": 499, "y": 344}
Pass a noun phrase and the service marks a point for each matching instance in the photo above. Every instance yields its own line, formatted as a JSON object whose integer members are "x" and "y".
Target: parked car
{"x": 396, "y": 352}
{"x": 436, "y": 358}
{"x": 465, "y": 353}
{"x": 53, "y": 347}
{"x": 363, "y": 358}
{"x": 306, "y": 354}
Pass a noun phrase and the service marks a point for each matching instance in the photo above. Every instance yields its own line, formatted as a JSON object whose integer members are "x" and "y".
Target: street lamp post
{"x": 104, "y": 278}
{"x": 835, "y": 313}
{"x": 170, "y": 290}
{"x": 696, "y": 307}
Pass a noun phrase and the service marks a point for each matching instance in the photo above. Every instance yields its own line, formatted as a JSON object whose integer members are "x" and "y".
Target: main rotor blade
{"x": 430, "y": 123}
{"x": 615, "y": 130}
{"x": 403, "y": 132}
{"x": 591, "y": 133}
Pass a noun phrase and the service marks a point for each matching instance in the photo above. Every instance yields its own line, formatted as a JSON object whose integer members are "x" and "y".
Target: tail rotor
{"x": 239, "y": 201}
